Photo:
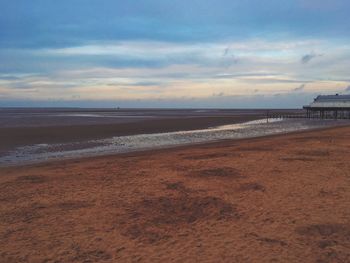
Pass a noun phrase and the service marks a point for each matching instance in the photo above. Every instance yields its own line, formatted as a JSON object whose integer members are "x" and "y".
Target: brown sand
{"x": 281, "y": 198}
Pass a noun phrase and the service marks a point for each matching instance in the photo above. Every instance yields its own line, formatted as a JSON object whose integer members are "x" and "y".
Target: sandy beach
{"x": 281, "y": 198}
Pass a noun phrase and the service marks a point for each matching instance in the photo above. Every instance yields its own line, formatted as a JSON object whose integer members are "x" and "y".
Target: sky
{"x": 166, "y": 53}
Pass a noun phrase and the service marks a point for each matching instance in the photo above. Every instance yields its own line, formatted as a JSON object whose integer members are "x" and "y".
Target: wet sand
{"x": 21, "y": 127}
{"x": 283, "y": 198}
{"x": 12, "y": 137}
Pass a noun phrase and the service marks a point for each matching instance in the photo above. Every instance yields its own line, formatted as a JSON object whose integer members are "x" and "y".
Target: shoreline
{"x": 23, "y": 127}
{"x": 164, "y": 149}
{"x": 20, "y": 136}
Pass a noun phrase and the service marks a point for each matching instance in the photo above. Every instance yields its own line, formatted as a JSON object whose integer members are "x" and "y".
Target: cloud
{"x": 308, "y": 57}
{"x": 271, "y": 80}
{"x": 244, "y": 74}
{"x": 300, "y": 88}
{"x": 200, "y": 48}
{"x": 147, "y": 83}
{"x": 75, "y": 97}
{"x": 271, "y": 74}
{"x": 226, "y": 51}
{"x": 220, "y": 94}
{"x": 252, "y": 55}
{"x": 229, "y": 58}
{"x": 137, "y": 84}
{"x": 9, "y": 78}
{"x": 348, "y": 88}
{"x": 149, "y": 69}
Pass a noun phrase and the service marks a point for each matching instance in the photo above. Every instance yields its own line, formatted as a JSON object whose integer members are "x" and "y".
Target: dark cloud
{"x": 257, "y": 77}
{"x": 272, "y": 80}
{"x": 300, "y": 88}
{"x": 238, "y": 75}
{"x": 21, "y": 85}
{"x": 226, "y": 51}
{"x": 9, "y": 78}
{"x": 139, "y": 83}
{"x": 147, "y": 83}
{"x": 308, "y": 57}
{"x": 229, "y": 58}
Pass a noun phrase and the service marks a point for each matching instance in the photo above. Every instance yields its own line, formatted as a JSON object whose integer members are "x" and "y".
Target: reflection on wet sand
{"x": 121, "y": 144}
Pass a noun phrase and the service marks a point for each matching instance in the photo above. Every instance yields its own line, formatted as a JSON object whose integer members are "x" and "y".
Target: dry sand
{"x": 281, "y": 198}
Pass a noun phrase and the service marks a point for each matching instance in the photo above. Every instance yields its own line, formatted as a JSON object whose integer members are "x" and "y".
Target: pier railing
{"x": 310, "y": 115}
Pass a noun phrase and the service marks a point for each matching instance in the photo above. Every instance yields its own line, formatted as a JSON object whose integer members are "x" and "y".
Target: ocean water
{"x": 123, "y": 144}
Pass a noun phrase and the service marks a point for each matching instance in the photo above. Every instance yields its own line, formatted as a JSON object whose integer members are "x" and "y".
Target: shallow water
{"x": 43, "y": 152}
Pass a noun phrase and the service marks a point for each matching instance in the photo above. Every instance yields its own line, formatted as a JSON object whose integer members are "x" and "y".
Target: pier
{"x": 323, "y": 107}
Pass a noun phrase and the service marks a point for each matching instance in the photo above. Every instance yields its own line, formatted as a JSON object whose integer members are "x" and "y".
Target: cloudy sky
{"x": 166, "y": 53}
